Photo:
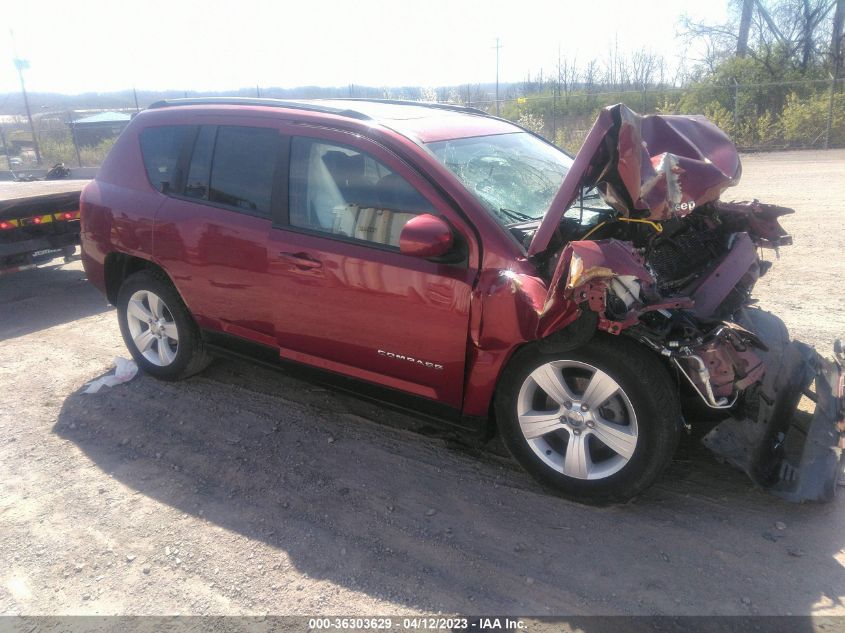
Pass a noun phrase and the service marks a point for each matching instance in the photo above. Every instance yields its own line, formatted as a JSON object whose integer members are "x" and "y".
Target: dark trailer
{"x": 39, "y": 220}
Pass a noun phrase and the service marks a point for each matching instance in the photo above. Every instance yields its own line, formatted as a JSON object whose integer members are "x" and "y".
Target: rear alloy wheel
{"x": 152, "y": 327}
{"x": 157, "y": 328}
{"x": 596, "y": 424}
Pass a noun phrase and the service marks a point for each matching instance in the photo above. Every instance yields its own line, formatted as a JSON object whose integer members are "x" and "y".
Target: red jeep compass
{"x": 455, "y": 264}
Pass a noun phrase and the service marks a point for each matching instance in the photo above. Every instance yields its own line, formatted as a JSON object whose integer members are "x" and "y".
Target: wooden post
{"x": 6, "y": 148}
{"x": 830, "y": 112}
{"x": 736, "y": 110}
{"x": 73, "y": 137}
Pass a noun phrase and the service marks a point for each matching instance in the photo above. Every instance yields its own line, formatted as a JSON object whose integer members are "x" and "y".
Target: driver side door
{"x": 347, "y": 299}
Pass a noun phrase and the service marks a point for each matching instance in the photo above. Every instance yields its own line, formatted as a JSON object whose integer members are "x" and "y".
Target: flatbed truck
{"x": 39, "y": 221}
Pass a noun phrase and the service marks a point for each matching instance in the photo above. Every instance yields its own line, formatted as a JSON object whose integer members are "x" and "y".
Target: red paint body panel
{"x": 723, "y": 279}
{"x": 424, "y": 124}
{"x": 373, "y": 314}
{"x": 436, "y": 330}
{"x": 441, "y": 326}
{"x": 116, "y": 220}
{"x": 655, "y": 166}
{"x": 432, "y": 129}
{"x": 217, "y": 259}
{"x": 359, "y": 302}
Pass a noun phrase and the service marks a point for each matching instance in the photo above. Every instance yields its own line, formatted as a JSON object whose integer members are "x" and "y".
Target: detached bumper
{"x": 794, "y": 453}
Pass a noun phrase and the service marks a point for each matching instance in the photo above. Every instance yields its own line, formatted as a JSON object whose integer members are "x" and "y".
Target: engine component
{"x": 679, "y": 258}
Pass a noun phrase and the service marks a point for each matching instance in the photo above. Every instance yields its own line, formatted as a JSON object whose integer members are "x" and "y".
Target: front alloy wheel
{"x": 577, "y": 419}
{"x": 596, "y": 424}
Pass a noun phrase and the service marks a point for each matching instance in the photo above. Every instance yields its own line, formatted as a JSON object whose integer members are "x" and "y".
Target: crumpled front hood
{"x": 655, "y": 167}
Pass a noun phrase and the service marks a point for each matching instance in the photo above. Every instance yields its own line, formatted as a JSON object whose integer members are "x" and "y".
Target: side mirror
{"x": 426, "y": 236}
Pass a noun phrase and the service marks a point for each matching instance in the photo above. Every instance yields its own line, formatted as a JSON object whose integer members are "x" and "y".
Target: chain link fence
{"x": 807, "y": 113}
{"x": 58, "y": 141}
{"x": 759, "y": 116}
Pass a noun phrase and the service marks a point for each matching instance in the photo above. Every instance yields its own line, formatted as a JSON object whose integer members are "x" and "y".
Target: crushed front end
{"x": 669, "y": 264}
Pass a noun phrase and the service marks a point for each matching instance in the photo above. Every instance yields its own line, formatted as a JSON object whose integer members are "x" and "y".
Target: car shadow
{"x": 377, "y": 502}
{"x": 24, "y": 307}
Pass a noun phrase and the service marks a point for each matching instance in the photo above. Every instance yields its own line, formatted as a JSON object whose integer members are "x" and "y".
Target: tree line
{"x": 771, "y": 76}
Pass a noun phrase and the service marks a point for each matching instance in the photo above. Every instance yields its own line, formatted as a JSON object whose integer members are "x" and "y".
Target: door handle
{"x": 301, "y": 260}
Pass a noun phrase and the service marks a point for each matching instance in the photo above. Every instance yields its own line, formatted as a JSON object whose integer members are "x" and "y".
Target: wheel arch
{"x": 118, "y": 266}
{"x": 550, "y": 344}
{"x": 644, "y": 379}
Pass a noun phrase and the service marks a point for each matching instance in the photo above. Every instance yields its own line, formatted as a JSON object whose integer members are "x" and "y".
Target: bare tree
{"x": 610, "y": 66}
{"x": 590, "y": 76}
{"x": 567, "y": 75}
{"x": 473, "y": 95}
{"x": 778, "y": 33}
{"x": 644, "y": 64}
{"x": 744, "y": 27}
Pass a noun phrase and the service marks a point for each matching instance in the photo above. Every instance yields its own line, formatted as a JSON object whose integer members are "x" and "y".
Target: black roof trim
{"x": 423, "y": 104}
{"x": 312, "y": 106}
{"x": 271, "y": 103}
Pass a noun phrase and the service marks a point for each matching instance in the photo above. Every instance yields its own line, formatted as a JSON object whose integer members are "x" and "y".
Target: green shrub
{"x": 723, "y": 118}
{"x": 60, "y": 149}
{"x": 805, "y": 120}
{"x": 94, "y": 156}
{"x": 57, "y": 149}
{"x": 532, "y": 121}
{"x": 768, "y": 131}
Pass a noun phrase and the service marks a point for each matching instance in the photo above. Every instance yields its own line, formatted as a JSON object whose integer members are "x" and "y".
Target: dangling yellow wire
{"x": 593, "y": 230}
{"x": 653, "y": 225}
{"x": 658, "y": 228}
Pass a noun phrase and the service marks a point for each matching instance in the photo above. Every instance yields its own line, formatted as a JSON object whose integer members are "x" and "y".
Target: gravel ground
{"x": 247, "y": 491}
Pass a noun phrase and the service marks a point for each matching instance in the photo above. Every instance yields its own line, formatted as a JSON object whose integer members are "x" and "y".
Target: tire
{"x": 172, "y": 345}
{"x": 632, "y": 404}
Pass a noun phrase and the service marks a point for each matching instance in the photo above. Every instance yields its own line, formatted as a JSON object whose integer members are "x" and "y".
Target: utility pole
{"x": 497, "y": 47}
{"x": 21, "y": 65}
{"x": 137, "y": 107}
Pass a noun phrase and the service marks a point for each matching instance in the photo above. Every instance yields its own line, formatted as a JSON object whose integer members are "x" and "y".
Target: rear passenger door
{"x": 347, "y": 299}
{"x": 211, "y": 233}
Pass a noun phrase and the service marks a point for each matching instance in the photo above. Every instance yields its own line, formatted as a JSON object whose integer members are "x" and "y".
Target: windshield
{"x": 515, "y": 176}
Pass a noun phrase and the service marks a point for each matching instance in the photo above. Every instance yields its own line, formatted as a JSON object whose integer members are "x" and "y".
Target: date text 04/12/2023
{"x": 416, "y": 623}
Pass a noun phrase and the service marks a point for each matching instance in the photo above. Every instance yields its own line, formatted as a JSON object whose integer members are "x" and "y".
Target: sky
{"x": 102, "y": 46}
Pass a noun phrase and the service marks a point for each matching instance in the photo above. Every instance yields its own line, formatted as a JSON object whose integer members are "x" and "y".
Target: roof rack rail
{"x": 427, "y": 104}
{"x": 272, "y": 103}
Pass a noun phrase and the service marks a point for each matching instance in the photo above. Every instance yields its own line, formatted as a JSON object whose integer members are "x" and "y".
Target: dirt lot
{"x": 245, "y": 490}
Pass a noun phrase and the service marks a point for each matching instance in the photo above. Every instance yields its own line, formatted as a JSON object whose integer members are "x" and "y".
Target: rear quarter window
{"x": 160, "y": 148}
{"x": 243, "y": 167}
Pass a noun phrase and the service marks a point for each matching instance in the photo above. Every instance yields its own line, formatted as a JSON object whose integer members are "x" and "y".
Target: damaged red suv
{"x": 449, "y": 262}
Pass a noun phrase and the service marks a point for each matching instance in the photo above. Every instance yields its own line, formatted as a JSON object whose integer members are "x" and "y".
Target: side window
{"x": 196, "y": 184}
{"x": 243, "y": 166}
{"x": 160, "y": 147}
{"x": 341, "y": 191}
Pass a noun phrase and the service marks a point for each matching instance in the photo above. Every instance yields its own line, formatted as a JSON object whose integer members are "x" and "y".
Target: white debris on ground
{"x": 124, "y": 371}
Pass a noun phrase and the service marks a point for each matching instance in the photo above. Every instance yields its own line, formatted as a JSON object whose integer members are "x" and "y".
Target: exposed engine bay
{"x": 643, "y": 245}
